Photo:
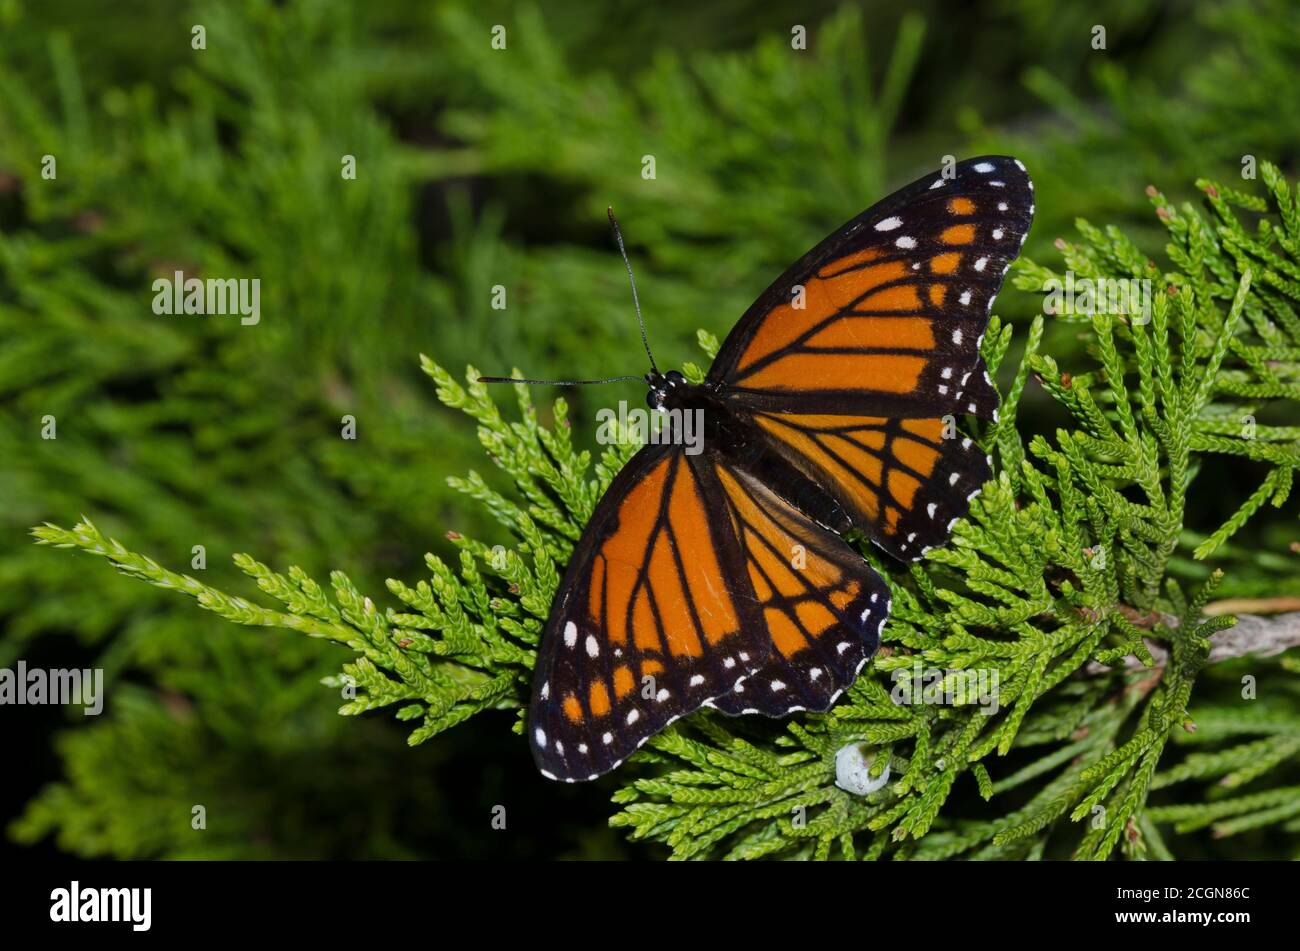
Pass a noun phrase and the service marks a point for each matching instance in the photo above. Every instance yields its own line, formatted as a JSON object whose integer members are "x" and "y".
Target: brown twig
{"x": 1252, "y": 634}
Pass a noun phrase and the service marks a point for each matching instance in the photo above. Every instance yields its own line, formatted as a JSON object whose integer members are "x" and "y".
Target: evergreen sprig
{"x": 1076, "y": 556}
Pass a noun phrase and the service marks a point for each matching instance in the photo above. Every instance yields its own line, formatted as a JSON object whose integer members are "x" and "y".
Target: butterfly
{"x": 720, "y": 577}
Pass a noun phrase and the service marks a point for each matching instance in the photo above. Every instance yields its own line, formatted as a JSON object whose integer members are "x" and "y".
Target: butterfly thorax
{"x": 676, "y": 397}
{"x": 670, "y": 390}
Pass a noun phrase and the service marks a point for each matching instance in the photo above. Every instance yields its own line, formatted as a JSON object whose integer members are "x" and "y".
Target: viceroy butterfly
{"x": 721, "y": 578}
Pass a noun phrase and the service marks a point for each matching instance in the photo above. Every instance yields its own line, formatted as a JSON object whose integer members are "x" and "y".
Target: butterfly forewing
{"x": 885, "y": 317}
{"x": 654, "y": 618}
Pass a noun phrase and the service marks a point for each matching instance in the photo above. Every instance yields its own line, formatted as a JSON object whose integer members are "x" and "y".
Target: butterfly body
{"x": 719, "y": 577}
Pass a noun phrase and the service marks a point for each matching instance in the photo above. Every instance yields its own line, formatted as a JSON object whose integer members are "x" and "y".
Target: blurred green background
{"x": 475, "y": 167}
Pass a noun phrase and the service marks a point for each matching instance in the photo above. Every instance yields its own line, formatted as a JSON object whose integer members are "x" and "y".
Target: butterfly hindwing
{"x": 886, "y": 315}
{"x": 903, "y": 481}
{"x": 823, "y": 607}
{"x": 654, "y": 617}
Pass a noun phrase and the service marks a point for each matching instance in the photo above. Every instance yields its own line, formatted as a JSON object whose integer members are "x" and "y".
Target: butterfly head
{"x": 666, "y": 389}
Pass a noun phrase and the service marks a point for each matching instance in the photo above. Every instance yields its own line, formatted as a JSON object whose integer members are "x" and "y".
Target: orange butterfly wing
{"x": 823, "y": 607}
{"x": 653, "y": 618}
{"x": 695, "y": 583}
{"x": 904, "y": 481}
{"x": 856, "y": 362}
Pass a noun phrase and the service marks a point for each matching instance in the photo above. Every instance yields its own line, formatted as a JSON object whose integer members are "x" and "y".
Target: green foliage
{"x": 1062, "y": 570}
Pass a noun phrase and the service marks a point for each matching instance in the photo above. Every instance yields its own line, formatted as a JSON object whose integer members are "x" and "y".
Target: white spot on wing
{"x": 983, "y": 167}
{"x": 889, "y": 224}
{"x": 570, "y": 634}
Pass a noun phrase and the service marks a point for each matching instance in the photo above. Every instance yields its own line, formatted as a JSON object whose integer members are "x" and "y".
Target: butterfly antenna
{"x": 618, "y": 236}
{"x": 516, "y": 379}
{"x": 645, "y": 340}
